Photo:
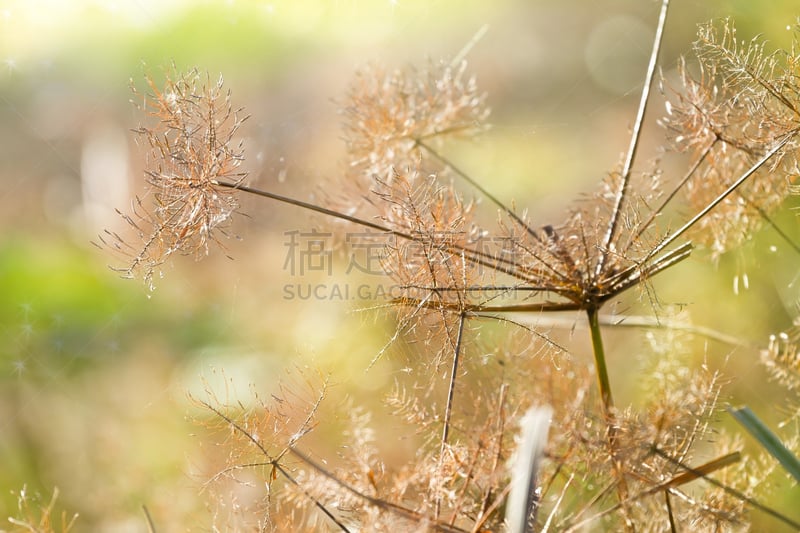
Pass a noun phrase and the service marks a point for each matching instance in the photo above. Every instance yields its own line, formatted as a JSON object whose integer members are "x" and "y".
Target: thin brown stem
{"x": 733, "y": 187}
{"x": 489, "y": 499}
{"x": 399, "y": 510}
{"x": 453, "y": 374}
{"x": 691, "y": 474}
{"x": 644, "y": 226}
{"x": 771, "y": 223}
{"x": 275, "y": 463}
{"x": 450, "y": 395}
{"x": 622, "y": 192}
{"x": 466, "y": 177}
{"x": 672, "y": 527}
{"x": 733, "y": 492}
{"x": 151, "y": 526}
{"x": 474, "y": 256}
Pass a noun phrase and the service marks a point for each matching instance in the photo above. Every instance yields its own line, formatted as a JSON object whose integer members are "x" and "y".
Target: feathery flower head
{"x": 191, "y": 150}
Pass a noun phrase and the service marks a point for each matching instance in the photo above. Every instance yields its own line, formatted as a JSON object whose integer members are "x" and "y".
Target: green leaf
{"x": 768, "y": 439}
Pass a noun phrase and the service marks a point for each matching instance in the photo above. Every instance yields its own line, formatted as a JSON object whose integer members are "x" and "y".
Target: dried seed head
{"x": 782, "y": 357}
{"x": 191, "y": 149}
{"x": 742, "y": 103}
{"x": 386, "y": 114}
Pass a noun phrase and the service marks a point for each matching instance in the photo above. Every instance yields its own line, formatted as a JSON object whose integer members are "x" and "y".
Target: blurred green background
{"x": 95, "y": 370}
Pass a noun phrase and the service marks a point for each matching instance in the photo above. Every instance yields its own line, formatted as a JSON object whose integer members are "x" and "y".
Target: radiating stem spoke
{"x": 450, "y": 395}
{"x": 622, "y": 192}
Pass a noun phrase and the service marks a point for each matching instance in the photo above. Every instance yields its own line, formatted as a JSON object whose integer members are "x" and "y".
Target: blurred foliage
{"x": 94, "y": 373}
{"x": 72, "y": 315}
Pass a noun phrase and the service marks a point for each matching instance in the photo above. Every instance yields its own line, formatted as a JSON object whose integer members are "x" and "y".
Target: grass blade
{"x": 769, "y": 440}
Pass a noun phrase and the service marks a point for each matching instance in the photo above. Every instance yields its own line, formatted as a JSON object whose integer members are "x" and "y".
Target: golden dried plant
{"x": 191, "y": 148}
{"x": 35, "y": 516}
{"x": 609, "y": 466}
{"x": 387, "y": 114}
{"x": 742, "y": 101}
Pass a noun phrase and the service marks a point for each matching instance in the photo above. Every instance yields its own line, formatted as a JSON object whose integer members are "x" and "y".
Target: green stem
{"x": 600, "y": 360}
{"x": 608, "y": 408}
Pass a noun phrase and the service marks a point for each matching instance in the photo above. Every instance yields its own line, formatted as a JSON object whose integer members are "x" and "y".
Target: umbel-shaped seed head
{"x": 191, "y": 150}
